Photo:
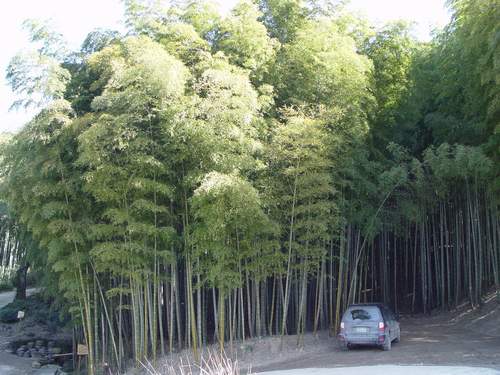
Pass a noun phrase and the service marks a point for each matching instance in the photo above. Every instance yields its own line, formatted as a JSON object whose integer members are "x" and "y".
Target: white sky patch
{"x": 427, "y": 14}
{"x": 76, "y": 18}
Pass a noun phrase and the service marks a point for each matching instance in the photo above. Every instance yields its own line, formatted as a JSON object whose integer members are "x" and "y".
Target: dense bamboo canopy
{"x": 209, "y": 179}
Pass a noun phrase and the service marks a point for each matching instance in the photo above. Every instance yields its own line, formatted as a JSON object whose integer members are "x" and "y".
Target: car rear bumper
{"x": 361, "y": 340}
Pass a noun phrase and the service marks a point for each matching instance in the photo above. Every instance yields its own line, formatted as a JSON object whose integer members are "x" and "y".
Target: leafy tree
{"x": 283, "y": 18}
{"x": 302, "y": 190}
{"x": 36, "y": 76}
{"x": 391, "y": 51}
{"x": 209, "y": 178}
{"x": 321, "y": 67}
{"x": 230, "y": 230}
{"x": 244, "y": 39}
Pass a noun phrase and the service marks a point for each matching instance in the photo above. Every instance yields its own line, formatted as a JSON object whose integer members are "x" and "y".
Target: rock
{"x": 67, "y": 365}
{"x": 51, "y": 344}
{"x": 39, "y": 343}
{"x": 55, "y": 350}
{"x": 30, "y": 345}
{"x": 47, "y": 370}
{"x": 44, "y": 361}
{"x": 36, "y": 364}
{"x": 245, "y": 348}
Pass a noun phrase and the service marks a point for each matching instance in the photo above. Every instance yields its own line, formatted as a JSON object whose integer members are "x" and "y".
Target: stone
{"x": 55, "y": 350}
{"x": 36, "y": 364}
{"x": 30, "y": 345}
{"x": 47, "y": 370}
{"x": 67, "y": 365}
{"x": 44, "y": 361}
{"x": 245, "y": 348}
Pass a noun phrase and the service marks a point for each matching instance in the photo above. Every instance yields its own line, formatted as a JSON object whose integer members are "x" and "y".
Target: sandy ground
{"x": 390, "y": 370}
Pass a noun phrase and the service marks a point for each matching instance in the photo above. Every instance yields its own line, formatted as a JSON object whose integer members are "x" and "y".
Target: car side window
{"x": 388, "y": 315}
{"x": 384, "y": 314}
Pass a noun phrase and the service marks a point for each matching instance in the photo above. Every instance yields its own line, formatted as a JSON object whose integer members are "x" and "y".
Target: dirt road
{"x": 425, "y": 341}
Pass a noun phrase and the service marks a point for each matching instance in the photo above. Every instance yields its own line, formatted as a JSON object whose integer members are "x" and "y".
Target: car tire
{"x": 387, "y": 344}
{"x": 398, "y": 337}
{"x": 344, "y": 347}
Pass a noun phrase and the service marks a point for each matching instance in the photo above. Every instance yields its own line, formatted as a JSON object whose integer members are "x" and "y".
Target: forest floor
{"x": 463, "y": 337}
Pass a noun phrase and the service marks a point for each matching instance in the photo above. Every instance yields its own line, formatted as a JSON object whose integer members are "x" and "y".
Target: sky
{"x": 75, "y": 18}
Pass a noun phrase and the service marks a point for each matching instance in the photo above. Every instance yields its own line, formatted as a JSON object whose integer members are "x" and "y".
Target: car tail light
{"x": 381, "y": 332}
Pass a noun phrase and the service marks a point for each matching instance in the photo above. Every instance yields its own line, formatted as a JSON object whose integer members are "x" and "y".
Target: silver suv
{"x": 369, "y": 324}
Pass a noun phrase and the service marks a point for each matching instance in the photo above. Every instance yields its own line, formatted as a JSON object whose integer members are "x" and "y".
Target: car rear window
{"x": 362, "y": 313}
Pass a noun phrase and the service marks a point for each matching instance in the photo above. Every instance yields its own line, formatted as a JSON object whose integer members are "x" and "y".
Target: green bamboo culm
{"x": 209, "y": 178}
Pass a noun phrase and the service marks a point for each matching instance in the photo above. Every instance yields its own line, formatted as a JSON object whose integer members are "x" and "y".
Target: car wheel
{"x": 398, "y": 337}
{"x": 345, "y": 347}
{"x": 387, "y": 344}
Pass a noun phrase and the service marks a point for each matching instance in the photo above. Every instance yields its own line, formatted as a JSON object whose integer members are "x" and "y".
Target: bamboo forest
{"x": 207, "y": 178}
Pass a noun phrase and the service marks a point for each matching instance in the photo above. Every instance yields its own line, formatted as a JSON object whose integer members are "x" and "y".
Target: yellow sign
{"x": 82, "y": 350}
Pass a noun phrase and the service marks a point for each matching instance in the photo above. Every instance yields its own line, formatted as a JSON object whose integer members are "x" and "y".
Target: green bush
{"x": 6, "y": 283}
{"x": 5, "y": 286}
{"x": 35, "y": 307}
{"x": 8, "y": 314}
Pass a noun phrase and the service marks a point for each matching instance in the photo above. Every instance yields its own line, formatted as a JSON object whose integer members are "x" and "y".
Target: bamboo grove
{"x": 208, "y": 178}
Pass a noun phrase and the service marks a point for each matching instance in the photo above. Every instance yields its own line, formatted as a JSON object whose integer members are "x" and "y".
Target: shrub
{"x": 36, "y": 308}
{"x": 6, "y": 283}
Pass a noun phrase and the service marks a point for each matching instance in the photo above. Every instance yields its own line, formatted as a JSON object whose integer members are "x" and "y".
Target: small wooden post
{"x": 81, "y": 351}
